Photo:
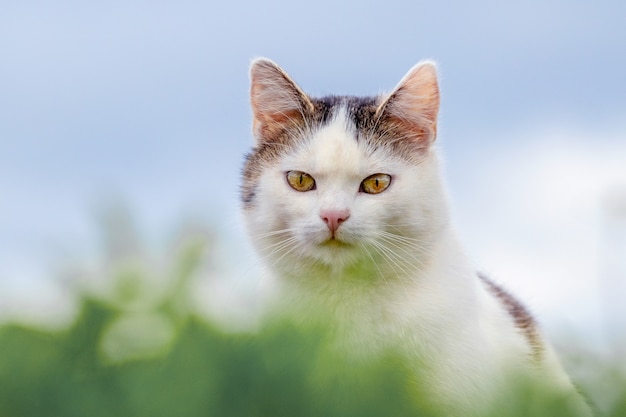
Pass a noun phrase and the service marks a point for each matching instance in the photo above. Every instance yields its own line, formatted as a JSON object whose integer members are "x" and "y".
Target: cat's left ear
{"x": 413, "y": 105}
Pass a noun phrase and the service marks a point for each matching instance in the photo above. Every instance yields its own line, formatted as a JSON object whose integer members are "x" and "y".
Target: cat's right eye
{"x": 300, "y": 181}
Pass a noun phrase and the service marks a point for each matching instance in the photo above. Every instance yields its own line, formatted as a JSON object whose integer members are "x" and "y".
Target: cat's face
{"x": 341, "y": 180}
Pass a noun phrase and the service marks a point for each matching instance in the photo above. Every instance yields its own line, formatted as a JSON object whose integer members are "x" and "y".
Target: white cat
{"x": 344, "y": 202}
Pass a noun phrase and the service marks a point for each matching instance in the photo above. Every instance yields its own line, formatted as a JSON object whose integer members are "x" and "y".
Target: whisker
{"x": 413, "y": 243}
{"x": 401, "y": 237}
{"x": 277, "y": 247}
{"x": 366, "y": 250}
{"x": 391, "y": 256}
{"x": 403, "y": 249}
{"x": 289, "y": 241}
{"x": 273, "y": 233}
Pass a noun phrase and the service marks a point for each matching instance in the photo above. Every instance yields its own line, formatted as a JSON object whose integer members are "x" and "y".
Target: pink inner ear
{"x": 277, "y": 102}
{"x": 414, "y": 104}
{"x": 268, "y": 126}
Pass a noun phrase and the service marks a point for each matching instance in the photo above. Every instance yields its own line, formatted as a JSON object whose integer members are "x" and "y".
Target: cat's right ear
{"x": 278, "y": 104}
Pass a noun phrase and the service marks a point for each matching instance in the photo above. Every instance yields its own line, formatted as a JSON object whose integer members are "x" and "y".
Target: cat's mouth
{"x": 333, "y": 242}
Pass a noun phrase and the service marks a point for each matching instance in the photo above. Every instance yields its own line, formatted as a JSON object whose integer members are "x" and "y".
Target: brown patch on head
{"x": 522, "y": 318}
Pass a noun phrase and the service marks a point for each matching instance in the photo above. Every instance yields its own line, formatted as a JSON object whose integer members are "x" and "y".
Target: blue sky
{"x": 147, "y": 102}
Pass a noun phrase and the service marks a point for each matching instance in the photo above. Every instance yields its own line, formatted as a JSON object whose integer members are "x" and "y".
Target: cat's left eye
{"x": 376, "y": 183}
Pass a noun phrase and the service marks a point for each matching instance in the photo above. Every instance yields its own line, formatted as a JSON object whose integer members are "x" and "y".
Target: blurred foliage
{"x": 283, "y": 370}
{"x": 125, "y": 356}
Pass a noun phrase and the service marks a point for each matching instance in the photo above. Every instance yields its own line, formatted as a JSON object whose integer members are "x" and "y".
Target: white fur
{"x": 416, "y": 291}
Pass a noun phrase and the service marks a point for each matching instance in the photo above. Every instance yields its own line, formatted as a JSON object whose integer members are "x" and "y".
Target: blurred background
{"x": 123, "y": 126}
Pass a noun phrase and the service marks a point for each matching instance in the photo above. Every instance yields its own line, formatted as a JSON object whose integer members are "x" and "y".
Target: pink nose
{"x": 334, "y": 218}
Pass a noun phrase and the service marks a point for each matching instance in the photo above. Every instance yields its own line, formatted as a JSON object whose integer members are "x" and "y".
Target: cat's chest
{"x": 369, "y": 316}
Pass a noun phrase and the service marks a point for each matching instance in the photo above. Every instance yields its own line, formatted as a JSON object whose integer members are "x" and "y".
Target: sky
{"x": 147, "y": 103}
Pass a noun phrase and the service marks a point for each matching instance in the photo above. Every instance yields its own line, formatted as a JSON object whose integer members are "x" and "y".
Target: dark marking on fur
{"x": 522, "y": 318}
{"x": 327, "y": 107}
{"x": 362, "y": 111}
{"x": 256, "y": 161}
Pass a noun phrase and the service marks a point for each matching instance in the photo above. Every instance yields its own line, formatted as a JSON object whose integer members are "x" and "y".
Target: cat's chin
{"x": 335, "y": 243}
{"x": 335, "y": 252}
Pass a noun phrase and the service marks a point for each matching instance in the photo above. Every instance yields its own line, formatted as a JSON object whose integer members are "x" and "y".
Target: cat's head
{"x": 341, "y": 181}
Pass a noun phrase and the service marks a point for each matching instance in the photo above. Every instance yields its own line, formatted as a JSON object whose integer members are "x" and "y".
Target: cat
{"x": 344, "y": 202}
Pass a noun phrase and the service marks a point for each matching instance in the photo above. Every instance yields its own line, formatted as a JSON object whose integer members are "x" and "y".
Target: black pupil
{"x": 376, "y": 182}
{"x": 301, "y": 178}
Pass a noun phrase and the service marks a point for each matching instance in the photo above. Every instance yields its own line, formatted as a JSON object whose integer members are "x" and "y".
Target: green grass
{"x": 126, "y": 357}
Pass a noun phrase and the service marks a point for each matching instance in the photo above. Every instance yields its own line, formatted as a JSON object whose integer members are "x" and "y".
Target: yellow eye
{"x": 300, "y": 181}
{"x": 376, "y": 183}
